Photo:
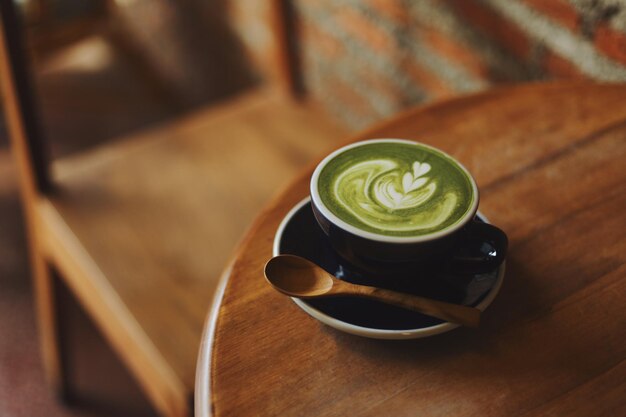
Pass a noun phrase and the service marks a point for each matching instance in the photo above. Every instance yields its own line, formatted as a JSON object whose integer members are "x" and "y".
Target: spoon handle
{"x": 467, "y": 316}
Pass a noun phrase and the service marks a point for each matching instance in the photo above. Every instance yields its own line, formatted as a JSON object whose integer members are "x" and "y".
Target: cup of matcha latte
{"x": 393, "y": 203}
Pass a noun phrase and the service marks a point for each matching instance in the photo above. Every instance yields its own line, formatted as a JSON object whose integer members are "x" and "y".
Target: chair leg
{"x": 46, "y": 298}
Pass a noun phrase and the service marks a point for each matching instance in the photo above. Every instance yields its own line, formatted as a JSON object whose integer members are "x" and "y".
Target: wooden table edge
{"x": 203, "y": 405}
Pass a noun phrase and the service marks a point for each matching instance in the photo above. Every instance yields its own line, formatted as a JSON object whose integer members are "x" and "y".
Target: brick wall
{"x": 368, "y": 59}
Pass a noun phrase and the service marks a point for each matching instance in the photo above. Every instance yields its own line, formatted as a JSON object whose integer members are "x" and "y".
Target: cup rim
{"x": 317, "y": 200}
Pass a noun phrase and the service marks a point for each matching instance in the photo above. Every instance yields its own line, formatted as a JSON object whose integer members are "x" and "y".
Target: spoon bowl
{"x": 312, "y": 281}
{"x": 298, "y": 277}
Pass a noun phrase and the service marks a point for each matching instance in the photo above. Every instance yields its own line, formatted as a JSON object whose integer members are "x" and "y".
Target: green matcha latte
{"x": 395, "y": 188}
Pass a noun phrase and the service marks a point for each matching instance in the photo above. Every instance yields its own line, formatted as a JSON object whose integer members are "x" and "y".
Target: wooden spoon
{"x": 301, "y": 278}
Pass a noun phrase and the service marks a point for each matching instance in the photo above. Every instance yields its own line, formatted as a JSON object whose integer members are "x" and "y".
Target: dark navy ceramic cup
{"x": 470, "y": 247}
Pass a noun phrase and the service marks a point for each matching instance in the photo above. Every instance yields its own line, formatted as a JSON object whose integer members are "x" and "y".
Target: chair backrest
{"x": 285, "y": 59}
{"x": 19, "y": 104}
{"x": 22, "y": 112}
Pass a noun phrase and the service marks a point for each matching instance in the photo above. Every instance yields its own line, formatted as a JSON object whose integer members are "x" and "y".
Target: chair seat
{"x": 156, "y": 216}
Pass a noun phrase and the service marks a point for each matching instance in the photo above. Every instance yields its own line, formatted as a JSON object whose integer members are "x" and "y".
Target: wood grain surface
{"x": 549, "y": 162}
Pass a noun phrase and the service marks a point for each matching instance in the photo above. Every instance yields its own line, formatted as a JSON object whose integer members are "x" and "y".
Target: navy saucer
{"x": 299, "y": 234}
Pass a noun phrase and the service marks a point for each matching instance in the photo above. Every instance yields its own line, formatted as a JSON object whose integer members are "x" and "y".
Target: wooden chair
{"x": 141, "y": 228}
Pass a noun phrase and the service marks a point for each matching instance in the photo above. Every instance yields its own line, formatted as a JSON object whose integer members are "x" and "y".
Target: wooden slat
{"x": 19, "y": 103}
{"x": 548, "y": 161}
{"x": 31, "y": 161}
{"x": 286, "y": 62}
{"x": 142, "y": 229}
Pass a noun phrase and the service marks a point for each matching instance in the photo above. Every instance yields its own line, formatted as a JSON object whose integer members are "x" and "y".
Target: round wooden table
{"x": 550, "y": 162}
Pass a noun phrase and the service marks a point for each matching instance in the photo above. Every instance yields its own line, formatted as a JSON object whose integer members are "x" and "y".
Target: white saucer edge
{"x": 379, "y": 333}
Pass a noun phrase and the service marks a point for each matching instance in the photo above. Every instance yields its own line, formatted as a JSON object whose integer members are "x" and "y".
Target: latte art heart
{"x": 387, "y": 193}
{"x": 412, "y": 192}
{"x": 397, "y": 189}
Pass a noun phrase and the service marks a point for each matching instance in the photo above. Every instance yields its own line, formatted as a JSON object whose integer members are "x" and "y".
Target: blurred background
{"x": 107, "y": 68}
